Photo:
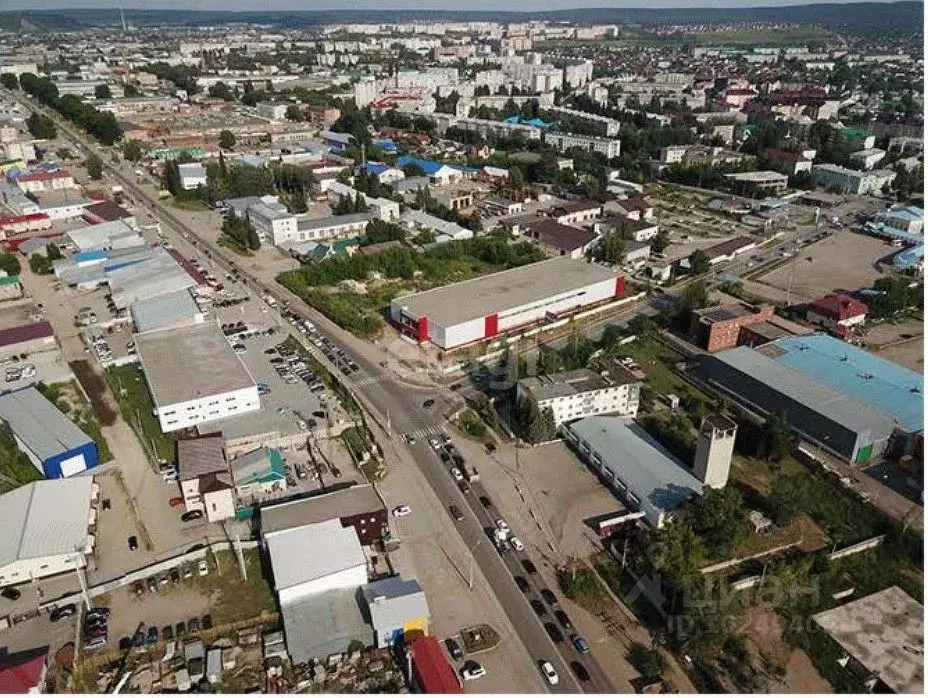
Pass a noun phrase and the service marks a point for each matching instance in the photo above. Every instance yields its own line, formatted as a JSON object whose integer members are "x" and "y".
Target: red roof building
{"x": 40, "y": 333}
{"x": 23, "y": 672}
{"x": 22, "y": 224}
{"x": 837, "y": 311}
{"x": 431, "y": 672}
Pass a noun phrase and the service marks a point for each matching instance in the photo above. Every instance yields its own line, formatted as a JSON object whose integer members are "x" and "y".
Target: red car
{"x": 176, "y": 501}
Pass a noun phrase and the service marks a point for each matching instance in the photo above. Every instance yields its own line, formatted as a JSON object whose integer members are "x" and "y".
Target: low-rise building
{"x": 29, "y": 338}
{"x": 344, "y": 226}
{"x": 560, "y": 240}
{"x": 192, "y": 175}
{"x": 759, "y": 181}
{"x": 583, "y": 393}
{"x": 259, "y": 473}
{"x": 358, "y": 506}
{"x": 397, "y": 607}
{"x": 847, "y": 181}
{"x": 719, "y": 327}
{"x": 205, "y": 478}
{"x": 787, "y": 162}
{"x": 867, "y": 159}
{"x": 40, "y": 180}
{"x": 837, "y": 311}
{"x": 574, "y": 212}
{"x": 46, "y": 529}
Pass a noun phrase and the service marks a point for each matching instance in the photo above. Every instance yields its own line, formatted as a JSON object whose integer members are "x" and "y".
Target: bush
{"x": 647, "y": 661}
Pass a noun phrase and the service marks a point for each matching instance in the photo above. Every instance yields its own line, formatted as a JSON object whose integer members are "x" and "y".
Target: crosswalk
{"x": 368, "y": 380}
{"x": 425, "y": 432}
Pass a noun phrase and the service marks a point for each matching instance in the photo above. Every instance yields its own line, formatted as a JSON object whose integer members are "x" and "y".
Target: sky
{"x": 491, "y": 5}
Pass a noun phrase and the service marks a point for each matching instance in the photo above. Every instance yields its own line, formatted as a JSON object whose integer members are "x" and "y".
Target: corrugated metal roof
{"x": 839, "y": 407}
{"x": 394, "y": 601}
{"x": 167, "y": 310}
{"x": 201, "y": 456}
{"x": 648, "y": 470}
{"x": 45, "y": 518}
{"x": 41, "y": 426}
{"x": 312, "y": 551}
{"x": 260, "y": 464}
{"x": 25, "y": 333}
{"x": 338, "y": 612}
{"x": 350, "y": 501}
{"x": 890, "y": 389}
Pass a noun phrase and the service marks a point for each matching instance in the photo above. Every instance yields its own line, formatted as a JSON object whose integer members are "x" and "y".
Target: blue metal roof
{"x": 90, "y": 256}
{"x": 887, "y": 387}
{"x": 909, "y": 258}
{"x": 430, "y": 167}
{"x": 374, "y": 168}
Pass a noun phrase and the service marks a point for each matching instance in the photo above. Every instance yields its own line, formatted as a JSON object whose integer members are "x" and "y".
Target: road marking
{"x": 369, "y": 380}
{"x": 433, "y": 430}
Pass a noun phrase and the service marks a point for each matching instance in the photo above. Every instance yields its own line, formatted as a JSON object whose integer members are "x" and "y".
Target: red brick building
{"x": 719, "y": 327}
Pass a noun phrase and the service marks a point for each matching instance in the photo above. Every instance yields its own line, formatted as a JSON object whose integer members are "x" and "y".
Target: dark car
{"x": 580, "y": 671}
{"x": 485, "y": 501}
{"x": 191, "y": 515}
{"x": 428, "y": 403}
{"x": 65, "y": 611}
{"x": 579, "y": 643}
{"x": 554, "y": 632}
{"x": 529, "y": 566}
{"x": 94, "y": 622}
{"x": 193, "y": 625}
{"x": 125, "y": 643}
{"x": 522, "y": 583}
{"x": 138, "y": 640}
{"x": 180, "y": 628}
{"x": 538, "y": 607}
{"x": 454, "y": 649}
{"x": 167, "y": 633}
{"x": 549, "y": 597}
{"x": 563, "y": 620}
{"x": 152, "y": 636}
{"x": 456, "y": 513}
{"x": 11, "y": 593}
{"x": 175, "y": 575}
{"x": 98, "y": 611}
{"x": 207, "y": 622}
{"x": 133, "y": 543}
{"x": 465, "y": 488}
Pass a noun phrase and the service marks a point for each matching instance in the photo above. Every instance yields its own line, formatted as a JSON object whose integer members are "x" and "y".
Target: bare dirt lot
{"x": 903, "y": 342}
{"x": 842, "y": 261}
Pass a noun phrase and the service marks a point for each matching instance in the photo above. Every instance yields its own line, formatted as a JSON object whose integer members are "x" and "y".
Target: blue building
{"x": 56, "y": 446}
{"x": 336, "y": 141}
{"x": 387, "y": 145}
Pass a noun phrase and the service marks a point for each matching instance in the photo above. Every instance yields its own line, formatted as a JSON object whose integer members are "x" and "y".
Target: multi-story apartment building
{"x": 584, "y": 393}
{"x": 610, "y": 147}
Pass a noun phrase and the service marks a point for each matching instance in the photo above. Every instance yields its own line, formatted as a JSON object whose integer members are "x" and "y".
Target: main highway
{"x": 396, "y": 407}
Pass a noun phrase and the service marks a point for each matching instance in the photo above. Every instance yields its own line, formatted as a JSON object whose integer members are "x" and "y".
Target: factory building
{"x": 53, "y": 443}
{"x": 820, "y": 409}
{"x": 485, "y": 307}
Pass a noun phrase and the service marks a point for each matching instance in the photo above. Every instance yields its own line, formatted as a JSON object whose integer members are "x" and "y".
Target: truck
{"x": 471, "y": 474}
{"x": 214, "y": 665}
{"x": 269, "y": 299}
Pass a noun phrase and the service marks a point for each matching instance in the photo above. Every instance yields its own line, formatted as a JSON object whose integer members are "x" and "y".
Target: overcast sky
{"x": 492, "y": 5}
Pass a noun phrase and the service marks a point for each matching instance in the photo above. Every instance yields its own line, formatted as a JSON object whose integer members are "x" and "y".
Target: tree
{"x": 677, "y": 552}
{"x": 53, "y": 252}
{"x": 660, "y": 241}
{"x": 413, "y": 169}
{"x": 130, "y": 90}
{"x": 132, "y": 150}
{"x": 9, "y": 81}
{"x": 94, "y": 167}
{"x": 649, "y": 662}
{"x": 294, "y": 113}
{"x": 611, "y": 247}
{"x": 41, "y": 127}
{"x": 719, "y": 518}
{"x": 39, "y": 264}
{"x": 254, "y": 242}
{"x": 535, "y": 425}
{"x": 779, "y": 439}
{"x": 10, "y": 264}
{"x": 102, "y": 92}
{"x": 226, "y": 140}
{"x": 787, "y": 499}
{"x": 516, "y": 179}
{"x": 699, "y": 262}
{"x": 222, "y": 91}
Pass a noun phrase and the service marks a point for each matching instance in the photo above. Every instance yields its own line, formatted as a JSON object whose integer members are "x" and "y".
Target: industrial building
{"x": 824, "y": 415}
{"x": 583, "y": 393}
{"x": 155, "y": 275}
{"x": 29, "y": 338}
{"x": 720, "y": 326}
{"x": 482, "y": 308}
{"x": 46, "y": 529}
{"x": 882, "y": 640}
{"x": 358, "y": 506}
{"x": 53, "y": 443}
{"x": 168, "y": 310}
{"x": 635, "y": 466}
{"x": 194, "y": 376}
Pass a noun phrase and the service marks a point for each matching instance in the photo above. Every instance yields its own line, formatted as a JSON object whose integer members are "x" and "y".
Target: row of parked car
{"x": 144, "y": 638}
{"x": 333, "y": 352}
{"x": 293, "y": 369}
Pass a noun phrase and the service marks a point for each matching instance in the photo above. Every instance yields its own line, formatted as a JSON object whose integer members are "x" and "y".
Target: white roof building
{"x": 46, "y": 528}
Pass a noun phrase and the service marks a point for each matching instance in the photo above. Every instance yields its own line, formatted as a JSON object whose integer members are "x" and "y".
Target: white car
{"x": 456, "y": 474}
{"x": 402, "y": 510}
{"x": 516, "y": 544}
{"x": 473, "y": 671}
{"x": 203, "y": 568}
{"x": 28, "y": 371}
{"x": 549, "y": 673}
{"x": 434, "y": 443}
{"x": 502, "y": 526}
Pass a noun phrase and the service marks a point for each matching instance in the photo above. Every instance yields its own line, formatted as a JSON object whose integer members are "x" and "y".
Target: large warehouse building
{"x": 836, "y": 419}
{"x": 194, "y": 376}
{"x": 56, "y": 446}
{"x": 482, "y": 308}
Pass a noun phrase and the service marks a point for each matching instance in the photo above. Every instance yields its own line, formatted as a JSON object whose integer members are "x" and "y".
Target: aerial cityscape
{"x": 447, "y": 347}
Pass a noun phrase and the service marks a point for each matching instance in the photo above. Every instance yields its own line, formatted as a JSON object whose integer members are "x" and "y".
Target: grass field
{"x": 135, "y": 403}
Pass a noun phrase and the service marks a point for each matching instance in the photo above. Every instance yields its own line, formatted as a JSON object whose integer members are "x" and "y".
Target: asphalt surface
{"x": 400, "y": 406}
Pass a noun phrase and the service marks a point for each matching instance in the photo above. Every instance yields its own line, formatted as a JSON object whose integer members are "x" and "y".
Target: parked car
{"x": 191, "y": 515}
{"x": 473, "y": 670}
{"x": 522, "y": 583}
{"x": 167, "y": 633}
{"x": 428, "y": 403}
{"x": 485, "y": 501}
{"x": 516, "y": 544}
{"x": 133, "y": 543}
{"x": 152, "y": 636}
{"x": 402, "y": 510}
{"x": 11, "y": 593}
{"x": 203, "y": 568}
{"x": 579, "y": 643}
{"x": 95, "y": 643}
{"x": 580, "y": 671}
{"x": 193, "y": 625}
{"x": 538, "y": 607}
{"x": 60, "y": 612}
{"x": 207, "y": 622}
{"x": 456, "y": 513}
{"x": 454, "y": 649}
{"x": 175, "y": 575}
{"x": 554, "y": 632}
{"x": 180, "y": 628}
{"x": 563, "y": 620}
{"x": 176, "y": 501}
{"x": 529, "y": 566}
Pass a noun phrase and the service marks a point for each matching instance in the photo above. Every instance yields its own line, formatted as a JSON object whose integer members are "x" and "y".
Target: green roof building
{"x": 259, "y": 473}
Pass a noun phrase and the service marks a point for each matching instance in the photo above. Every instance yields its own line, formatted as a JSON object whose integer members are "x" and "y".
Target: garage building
{"x": 482, "y": 308}
{"x": 54, "y": 444}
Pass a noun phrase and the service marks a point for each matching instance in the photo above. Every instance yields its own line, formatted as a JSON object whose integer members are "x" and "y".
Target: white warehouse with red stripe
{"x": 477, "y": 309}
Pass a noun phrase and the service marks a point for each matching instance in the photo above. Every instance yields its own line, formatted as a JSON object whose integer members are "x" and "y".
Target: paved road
{"x": 400, "y": 406}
